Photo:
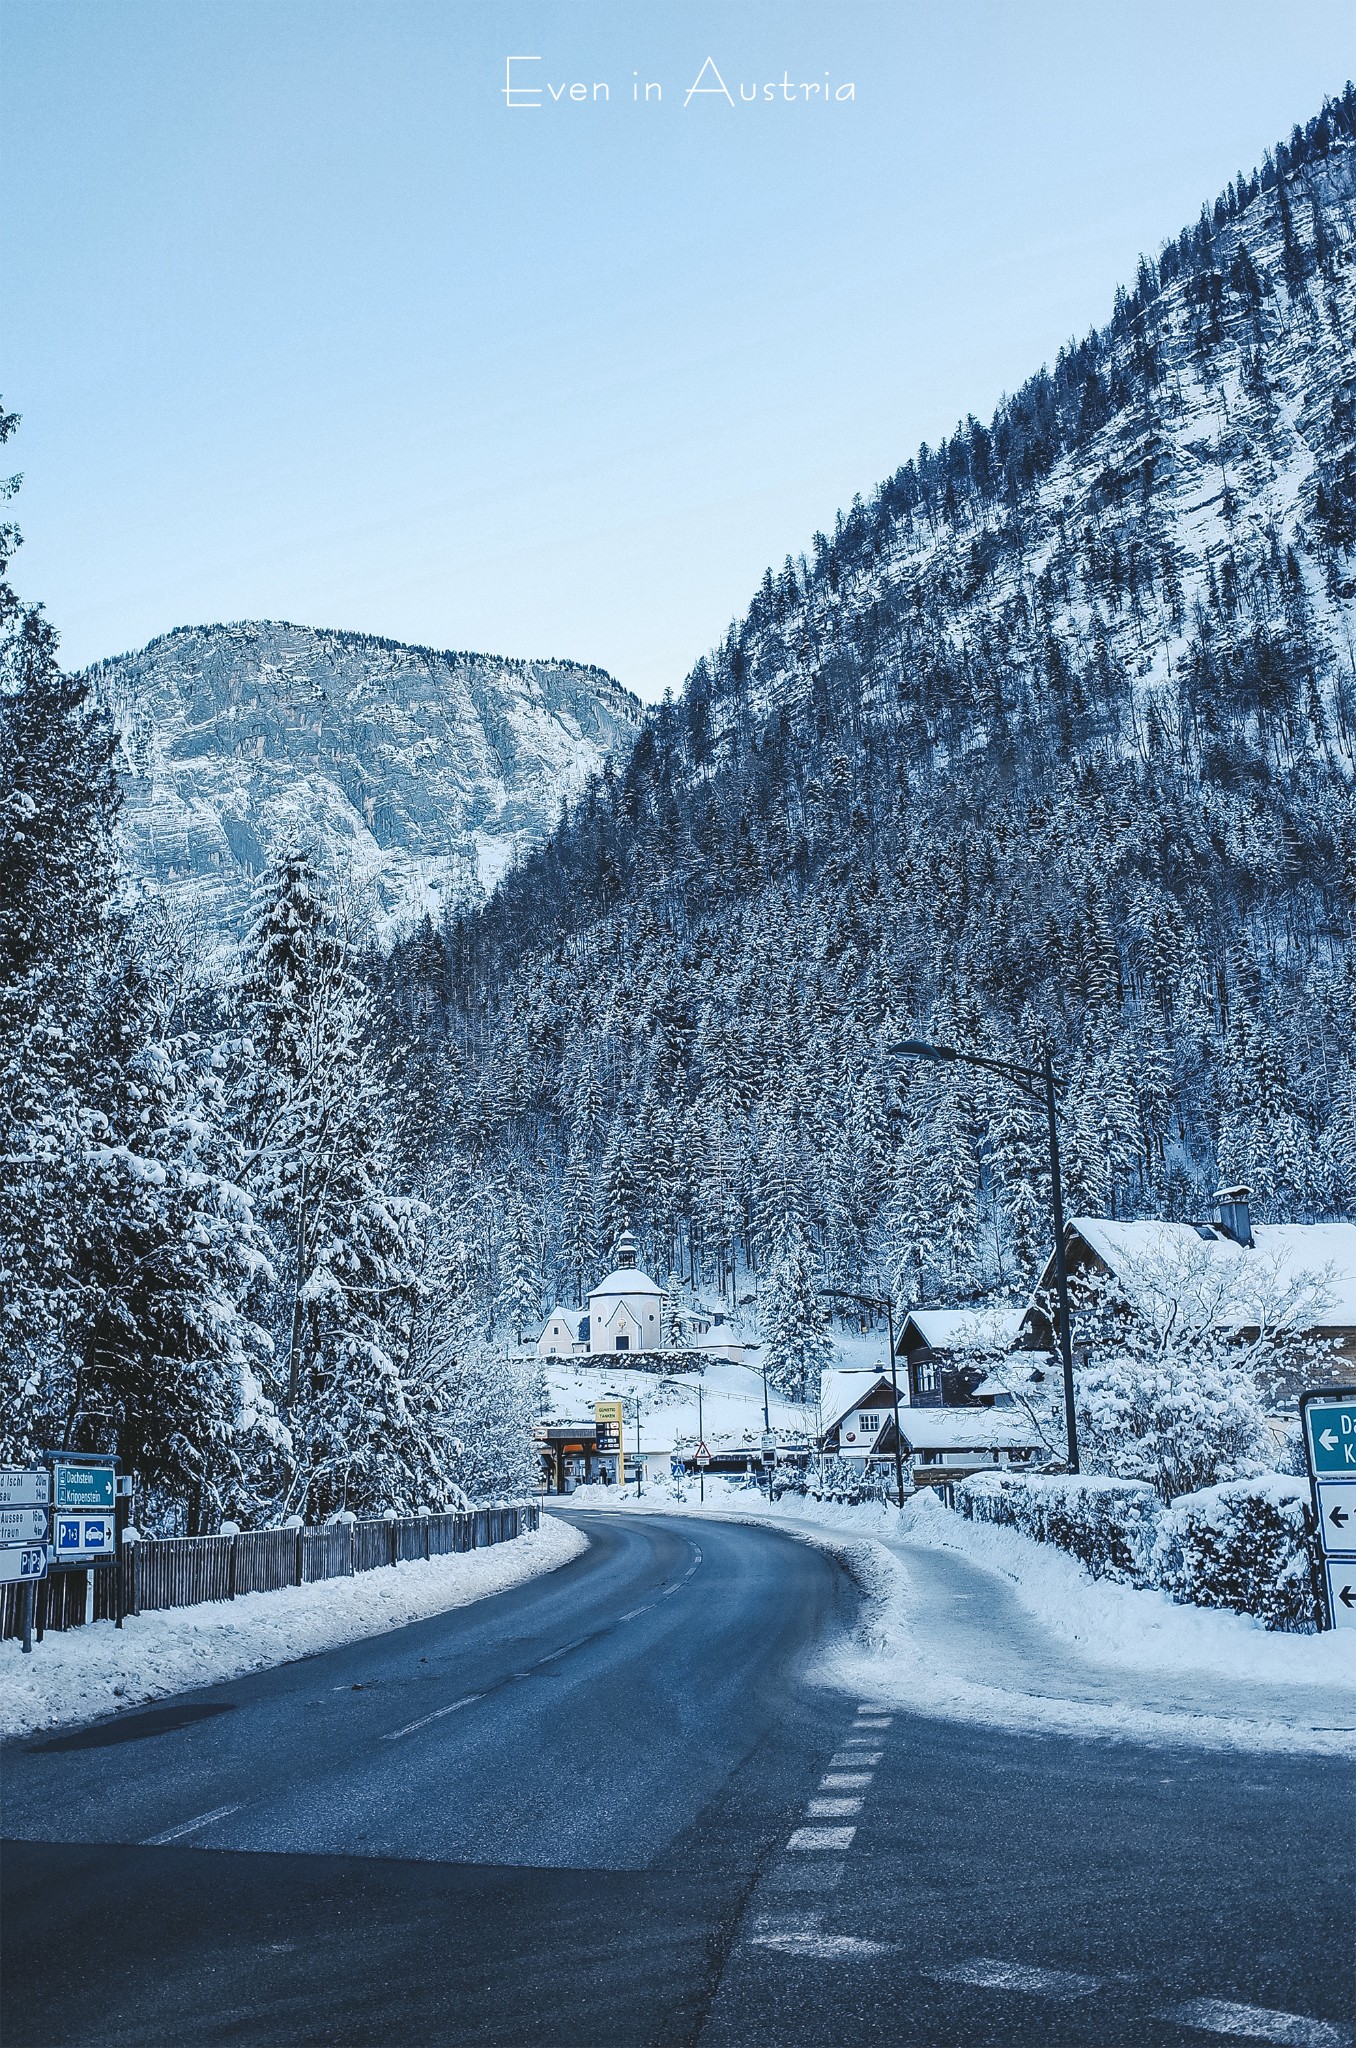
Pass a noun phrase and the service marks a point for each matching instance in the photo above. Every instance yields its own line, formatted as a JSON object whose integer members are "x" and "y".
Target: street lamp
{"x": 1039, "y": 1084}
{"x": 879, "y": 1301}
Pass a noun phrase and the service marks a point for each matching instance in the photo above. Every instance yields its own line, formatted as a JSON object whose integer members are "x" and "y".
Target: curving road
{"x": 607, "y": 1807}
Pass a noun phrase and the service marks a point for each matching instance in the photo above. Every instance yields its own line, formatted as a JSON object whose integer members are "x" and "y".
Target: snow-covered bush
{"x": 1181, "y": 1420}
{"x": 1185, "y": 1348}
{"x": 1243, "y": 1546}
{"x": 1107, "y": 1524}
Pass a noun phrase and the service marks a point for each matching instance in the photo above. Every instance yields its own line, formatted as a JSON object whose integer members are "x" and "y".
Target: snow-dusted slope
{"x": 414, "y": 774}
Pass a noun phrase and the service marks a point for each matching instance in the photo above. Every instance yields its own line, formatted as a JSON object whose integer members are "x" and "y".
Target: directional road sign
{"x": 77, "y": 1538}
{"x": 22, "y": 1525}
{"x": 1342, "y": 1592}
{"x": 28, "y": 1563}
{"x": 86, "y": 1486}
{"x": 21, "y": 1486}
{"x": 1330, "y": 1429}
{"x": 1336, "y": 1500}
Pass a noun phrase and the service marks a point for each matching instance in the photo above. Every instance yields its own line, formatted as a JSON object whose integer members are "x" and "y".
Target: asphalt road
{"x": 609, "y": 1807}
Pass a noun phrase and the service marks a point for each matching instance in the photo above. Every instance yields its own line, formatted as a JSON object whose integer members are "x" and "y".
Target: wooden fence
{"x": 180, "y": 1571}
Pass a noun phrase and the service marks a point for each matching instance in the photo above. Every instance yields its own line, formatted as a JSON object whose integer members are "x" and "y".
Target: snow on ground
{"x": 731, "y": 1402}
{"x": 965, "y": 1621}
{"x": 81, "y": 1673}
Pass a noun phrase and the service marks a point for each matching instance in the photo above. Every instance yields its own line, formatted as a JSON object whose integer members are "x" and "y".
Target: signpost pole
{"x": 701, "y": 1445}
{"x": 30, "y": 1601}
{"x": 1328, "y": 1427}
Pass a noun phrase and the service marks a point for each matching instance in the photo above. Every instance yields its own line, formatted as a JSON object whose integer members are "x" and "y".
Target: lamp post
{"x": 881, "y": 1301}
{"x": 1038, "y": 1083}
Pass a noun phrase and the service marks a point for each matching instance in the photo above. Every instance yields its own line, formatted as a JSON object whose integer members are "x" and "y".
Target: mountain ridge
{"x": 1050, "y": 743}
{"x": 415, "y": 774}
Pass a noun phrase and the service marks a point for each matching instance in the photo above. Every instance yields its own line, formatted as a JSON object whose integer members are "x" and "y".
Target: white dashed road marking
{"x": 986, "y": 1974}
{"x": 856, "y": 1756}
{"x": 189, "y": 1827}
{"x": 826, "y": 1948}
{"x": 821, "y": 1838}
{"x": 833, "y": 1809}
{"x": 1259, "y": 2023}
{"x": 436, "y": 1715}
{"x": 846, "y": 1781}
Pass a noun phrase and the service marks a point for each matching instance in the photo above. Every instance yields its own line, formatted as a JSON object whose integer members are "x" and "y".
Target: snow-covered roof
{"x": 568, "y": 1316}
{"x": 841, "y": 1391}
{"x": 1318, "y": 1260}
{"x": 965, "y": 1429}
{"x": 626, "y": 1280}
{"x": 987, "y": 1327}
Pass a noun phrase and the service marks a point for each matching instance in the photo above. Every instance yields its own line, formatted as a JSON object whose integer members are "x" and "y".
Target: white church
{"x": 623, "y": 1314}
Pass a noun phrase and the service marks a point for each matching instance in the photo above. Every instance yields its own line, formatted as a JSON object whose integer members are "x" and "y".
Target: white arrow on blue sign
{"x": 81, "y": 1536}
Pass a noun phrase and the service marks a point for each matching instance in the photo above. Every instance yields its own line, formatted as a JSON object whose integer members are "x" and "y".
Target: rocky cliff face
{"x": 415, "y": 776}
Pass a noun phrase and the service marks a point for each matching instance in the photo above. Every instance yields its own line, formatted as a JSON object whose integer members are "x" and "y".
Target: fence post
{"x": 129, "y": 1572}
{"x": 295, "y": 1522}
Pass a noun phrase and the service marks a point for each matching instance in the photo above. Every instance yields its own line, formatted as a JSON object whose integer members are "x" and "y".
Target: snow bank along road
{"x": 607, "y": 1806}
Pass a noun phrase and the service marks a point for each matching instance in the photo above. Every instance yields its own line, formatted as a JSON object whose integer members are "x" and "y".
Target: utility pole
{"x": 1038, "y": 1083}
{"x": 701, "y": 1446}
{"x": 878, "y": 1302}
{"x": 638, "y": 1457}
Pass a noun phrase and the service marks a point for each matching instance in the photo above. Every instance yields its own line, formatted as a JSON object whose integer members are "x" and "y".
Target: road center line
{"x": 846, "y": 1781}
{"x": 189, "y": 1827}
{"x": 855, "y": 1757}
{"x": 1259, "y": 2023}
{"x": 987, "y": 1974}
{"x": 436, "y": 1715}
{"x": 833, "y": 1809}
{"x": 821, "y": 1838}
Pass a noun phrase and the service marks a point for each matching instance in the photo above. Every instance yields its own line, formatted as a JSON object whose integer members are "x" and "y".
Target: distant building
{"x": 944, "y": 1354}
{"x": 857, "y": 1424}
{"x": 626, "y": 1309}
{"x": 626, "y": 1313}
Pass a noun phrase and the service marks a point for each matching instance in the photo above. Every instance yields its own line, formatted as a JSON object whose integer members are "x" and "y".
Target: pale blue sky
{"x": 305, "y": 323}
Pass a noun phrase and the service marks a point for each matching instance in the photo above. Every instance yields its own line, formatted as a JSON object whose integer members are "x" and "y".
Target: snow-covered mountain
{"x": 1048, "y": 741}
{"x": 416, "y": 775}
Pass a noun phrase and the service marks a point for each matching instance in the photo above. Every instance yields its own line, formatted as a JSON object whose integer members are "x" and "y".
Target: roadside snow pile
{"x": 84, "y": 1672}
{"x": 1241, "y": 1545}
{"x": 1107, "y": 1524}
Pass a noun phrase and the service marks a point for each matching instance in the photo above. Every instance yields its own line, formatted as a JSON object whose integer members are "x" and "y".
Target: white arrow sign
{"x": 1337, "y": 1515}
{"x": 1342, "y": 1594}
{"x": 1328, "y": 1439}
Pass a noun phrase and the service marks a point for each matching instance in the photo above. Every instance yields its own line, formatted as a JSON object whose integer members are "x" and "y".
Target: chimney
{"x": 1232, "y": 1215}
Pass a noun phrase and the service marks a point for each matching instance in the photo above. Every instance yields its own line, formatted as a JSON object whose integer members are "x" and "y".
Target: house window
{"x": 623, "y": 1343}
{"x": 927, "y": 1379}
{"x": 868, "y": 1422}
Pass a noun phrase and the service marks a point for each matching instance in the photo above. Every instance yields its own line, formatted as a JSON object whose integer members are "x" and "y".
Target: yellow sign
{"x": 608, "y": 1416}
